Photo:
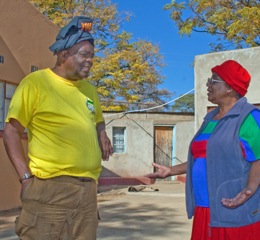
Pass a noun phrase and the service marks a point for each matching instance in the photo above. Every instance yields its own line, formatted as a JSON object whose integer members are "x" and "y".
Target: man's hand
{"x": 25, "y": 183}
{"x": 105, "y": 145}
{"x": 104, "y": 141}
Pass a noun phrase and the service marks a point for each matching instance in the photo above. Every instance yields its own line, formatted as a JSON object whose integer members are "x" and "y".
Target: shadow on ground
{"x": 122, "y": 220}
{"x": 135, "y": 216}
{"x": 7, "y": 219}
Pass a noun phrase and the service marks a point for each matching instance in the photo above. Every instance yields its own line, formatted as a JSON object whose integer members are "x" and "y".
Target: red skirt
{"x": 201, "y": 229}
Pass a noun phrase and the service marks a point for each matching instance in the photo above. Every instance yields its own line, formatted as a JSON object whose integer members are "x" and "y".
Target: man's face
{"x": 79, "y": 60}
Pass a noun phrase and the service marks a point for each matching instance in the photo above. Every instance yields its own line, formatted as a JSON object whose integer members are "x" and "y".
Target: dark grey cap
{"x": 77, "y": 30}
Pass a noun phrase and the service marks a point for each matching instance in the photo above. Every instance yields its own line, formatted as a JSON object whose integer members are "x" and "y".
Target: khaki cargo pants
{"x": 61, "y": 208}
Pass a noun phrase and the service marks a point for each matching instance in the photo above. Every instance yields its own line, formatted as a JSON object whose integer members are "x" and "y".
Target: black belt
{"x": 85, "y": 179}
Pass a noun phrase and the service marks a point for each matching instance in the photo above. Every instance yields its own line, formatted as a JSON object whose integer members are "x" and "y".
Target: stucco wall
{"x": 249, "y": 58}
{"x": 139, "y": 152}
{"x": 139, "y": 155}
{"x": 184, "y": 134}
{"x": 9, "y": 181}
{"x": 27, "y": 34}
{"x": 10, "y": 71}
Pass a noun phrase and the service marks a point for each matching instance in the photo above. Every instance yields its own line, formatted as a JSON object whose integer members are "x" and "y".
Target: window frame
{"x": 116, "y": 130}
{"x": 34, "y": 68}
{"x": 2, "y": 59}
{"x": 5, "y": 103}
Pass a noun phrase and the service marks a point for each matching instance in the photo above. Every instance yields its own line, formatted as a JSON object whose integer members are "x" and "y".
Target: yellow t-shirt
{"x": 61, "y": 118}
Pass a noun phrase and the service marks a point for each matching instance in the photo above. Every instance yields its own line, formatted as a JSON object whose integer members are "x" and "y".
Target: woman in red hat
{"x": 223, "y": 167}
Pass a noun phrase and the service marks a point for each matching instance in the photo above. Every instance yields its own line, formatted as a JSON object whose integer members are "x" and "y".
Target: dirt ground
{"x": 150, "y": 213}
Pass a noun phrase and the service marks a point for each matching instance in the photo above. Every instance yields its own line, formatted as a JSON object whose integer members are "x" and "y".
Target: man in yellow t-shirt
{"x": 66, "y": 141}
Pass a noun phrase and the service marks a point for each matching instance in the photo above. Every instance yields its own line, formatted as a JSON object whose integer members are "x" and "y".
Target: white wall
{"x": 249, "y": 58}
{"x": 184, "y": 134}
{"x": 139, "y": 156}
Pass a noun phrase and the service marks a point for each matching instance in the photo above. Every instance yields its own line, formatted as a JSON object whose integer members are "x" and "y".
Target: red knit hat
{"x": 234, "y": 75}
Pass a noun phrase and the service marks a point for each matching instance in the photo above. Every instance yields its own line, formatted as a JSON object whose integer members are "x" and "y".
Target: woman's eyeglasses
{"x": 211, "y": 81}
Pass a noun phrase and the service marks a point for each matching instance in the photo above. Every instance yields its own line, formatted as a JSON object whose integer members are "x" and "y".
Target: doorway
{"x": 163, "y": 146}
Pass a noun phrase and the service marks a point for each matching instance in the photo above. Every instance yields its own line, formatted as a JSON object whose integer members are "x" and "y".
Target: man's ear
{"x": 62, "y": 57}
{"x": 64, "y": 54}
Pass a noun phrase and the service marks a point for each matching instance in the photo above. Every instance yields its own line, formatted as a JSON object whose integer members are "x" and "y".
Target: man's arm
{"x": 104, "y": 141}
{"x": 13, "y": 145}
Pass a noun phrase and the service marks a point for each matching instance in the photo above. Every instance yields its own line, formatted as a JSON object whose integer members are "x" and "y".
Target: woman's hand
{"x": 162, "y": 171}
{"x": 253, "y": 183}
{"x": 238, "y": 200}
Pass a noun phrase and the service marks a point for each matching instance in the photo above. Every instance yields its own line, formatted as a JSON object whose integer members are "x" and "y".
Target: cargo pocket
{"x": 24, "y": 224}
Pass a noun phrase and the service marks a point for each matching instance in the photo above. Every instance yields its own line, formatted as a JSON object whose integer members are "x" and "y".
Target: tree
{"x": 184, "y": 104}
{"x": 236, "y": 23}
{"x": 126, "y": 73}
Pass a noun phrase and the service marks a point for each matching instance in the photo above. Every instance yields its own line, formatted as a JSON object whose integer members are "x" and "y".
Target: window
{"x": 119, "y": 139}
{"x": 6, "y": 93}
{"x": 34, "y": 68}
{"x": 2, "y": 59}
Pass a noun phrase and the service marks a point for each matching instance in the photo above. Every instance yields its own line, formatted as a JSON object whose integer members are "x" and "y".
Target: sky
{"x": 150, "y": 22}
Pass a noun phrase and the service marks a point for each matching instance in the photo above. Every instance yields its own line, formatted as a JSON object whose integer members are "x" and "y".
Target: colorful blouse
{"x": 249, "y": 136}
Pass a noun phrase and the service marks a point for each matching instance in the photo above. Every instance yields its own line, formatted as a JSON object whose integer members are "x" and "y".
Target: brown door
{"x": 163, "y": 146}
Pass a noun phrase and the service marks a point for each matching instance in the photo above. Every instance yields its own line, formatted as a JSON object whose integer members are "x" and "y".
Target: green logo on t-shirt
{"x": 90, "y": 105}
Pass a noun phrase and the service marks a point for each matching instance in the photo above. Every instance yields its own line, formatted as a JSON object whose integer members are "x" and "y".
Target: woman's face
{"x": 217, "y": 89}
